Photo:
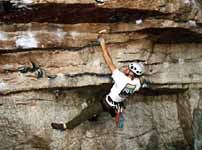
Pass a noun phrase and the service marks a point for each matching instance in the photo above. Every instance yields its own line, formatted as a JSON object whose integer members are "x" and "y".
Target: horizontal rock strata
{"x": 51, "y": 68}
{"x": 177, "y": 66}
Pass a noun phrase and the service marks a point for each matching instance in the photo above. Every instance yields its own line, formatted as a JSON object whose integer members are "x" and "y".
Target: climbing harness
{"x": 118, "y": 108}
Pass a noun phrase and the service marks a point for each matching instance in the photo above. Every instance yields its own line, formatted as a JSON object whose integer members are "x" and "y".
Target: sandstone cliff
{"x": 51, "y": 67}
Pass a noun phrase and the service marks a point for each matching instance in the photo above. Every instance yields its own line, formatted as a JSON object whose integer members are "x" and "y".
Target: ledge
{"x": 167, "y": 66}
{"x": 22, "y": 37}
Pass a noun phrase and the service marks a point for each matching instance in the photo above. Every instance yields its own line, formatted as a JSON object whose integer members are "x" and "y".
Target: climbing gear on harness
{"x": 110, "y": 101}
{"x": 113, "y": 103}
{"x": 119, "y": 119}
{"x": 118, "y": 108}
{"x": 137, "y": 68}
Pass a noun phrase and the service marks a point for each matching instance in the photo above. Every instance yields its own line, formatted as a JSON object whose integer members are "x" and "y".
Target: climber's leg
{"x": 107, "y": 107}
{"x": 85, "y": 114}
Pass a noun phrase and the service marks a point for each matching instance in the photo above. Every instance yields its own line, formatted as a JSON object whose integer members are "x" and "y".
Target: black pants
{"x": 90, "y": 112}
{"x": 112, "y": 110}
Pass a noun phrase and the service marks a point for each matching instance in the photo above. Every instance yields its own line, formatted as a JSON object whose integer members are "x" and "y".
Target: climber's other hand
{"x": 101, "y": 40}
{"x": 146, "y": 84}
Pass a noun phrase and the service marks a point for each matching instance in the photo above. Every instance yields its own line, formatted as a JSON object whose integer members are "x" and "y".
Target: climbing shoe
{"x": 58, "y": 126}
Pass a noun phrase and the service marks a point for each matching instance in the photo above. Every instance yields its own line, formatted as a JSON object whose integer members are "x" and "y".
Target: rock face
{"x": 51, "y": 68}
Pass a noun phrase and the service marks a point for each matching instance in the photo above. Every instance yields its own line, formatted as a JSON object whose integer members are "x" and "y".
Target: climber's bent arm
{"x": 107, "y": 56}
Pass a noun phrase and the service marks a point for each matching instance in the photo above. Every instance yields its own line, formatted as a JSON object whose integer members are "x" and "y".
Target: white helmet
{"x": 137, "y": 68}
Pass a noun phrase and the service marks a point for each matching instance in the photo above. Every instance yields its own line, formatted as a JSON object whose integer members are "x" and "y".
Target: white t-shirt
{"x": 123, "y": 86}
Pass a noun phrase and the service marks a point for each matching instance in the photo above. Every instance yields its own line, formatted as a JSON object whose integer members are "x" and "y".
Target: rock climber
{"x": 127, "y": 80}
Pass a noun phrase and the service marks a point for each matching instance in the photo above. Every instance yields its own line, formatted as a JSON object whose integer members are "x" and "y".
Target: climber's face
{"x": 128, "y": 72}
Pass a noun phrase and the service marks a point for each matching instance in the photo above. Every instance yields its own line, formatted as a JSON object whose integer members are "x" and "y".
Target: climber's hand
{"x": 100, "y": 38}
{"x": 146, "y": 84}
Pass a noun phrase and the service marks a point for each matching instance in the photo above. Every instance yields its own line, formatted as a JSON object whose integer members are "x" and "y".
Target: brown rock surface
{"x": 55, "y": 40}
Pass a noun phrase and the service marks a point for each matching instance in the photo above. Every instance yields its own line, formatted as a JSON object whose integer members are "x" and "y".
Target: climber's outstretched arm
{"x": 106, "y": 54}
